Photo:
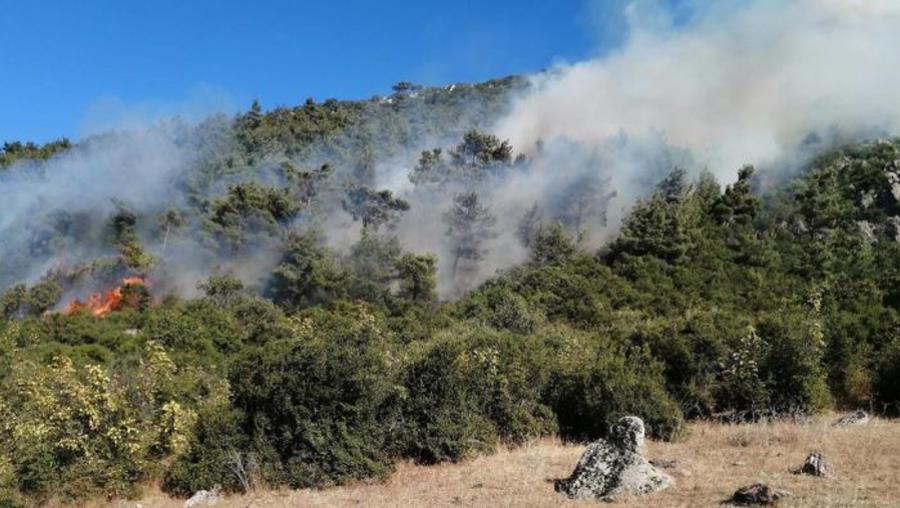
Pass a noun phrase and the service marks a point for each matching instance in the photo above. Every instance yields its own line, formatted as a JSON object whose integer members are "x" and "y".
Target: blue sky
{"x": 71, "y": 68}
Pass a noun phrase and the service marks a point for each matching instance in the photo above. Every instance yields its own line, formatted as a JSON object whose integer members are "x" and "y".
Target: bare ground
{"x": 715, "y": 460}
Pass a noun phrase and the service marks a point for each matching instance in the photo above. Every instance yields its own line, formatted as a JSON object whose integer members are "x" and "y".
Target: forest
{"x": 305, "y": 296}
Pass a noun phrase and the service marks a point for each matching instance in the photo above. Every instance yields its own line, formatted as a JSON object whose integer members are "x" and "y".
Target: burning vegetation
{"x": 130, "y": 294}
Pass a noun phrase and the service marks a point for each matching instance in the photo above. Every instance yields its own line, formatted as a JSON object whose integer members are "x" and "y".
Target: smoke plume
{"x": 736, "y": 83}
{"x": 764, "y": 82}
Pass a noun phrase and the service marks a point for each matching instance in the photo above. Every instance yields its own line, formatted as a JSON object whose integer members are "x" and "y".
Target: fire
{"x": 103, "y": 302}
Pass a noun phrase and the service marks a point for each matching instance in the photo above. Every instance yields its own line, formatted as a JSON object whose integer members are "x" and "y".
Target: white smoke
{"x": 735, "y": 82}
{"x": 74, "y": 189}
{"x": 738, "y": 82}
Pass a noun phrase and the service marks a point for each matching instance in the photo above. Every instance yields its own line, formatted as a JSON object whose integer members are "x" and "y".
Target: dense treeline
{"x": 16, "y": 151}
{"x": 765, "y": 298}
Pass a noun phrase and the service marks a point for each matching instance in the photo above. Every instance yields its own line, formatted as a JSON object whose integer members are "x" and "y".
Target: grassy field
{"x": 715, "y": 460}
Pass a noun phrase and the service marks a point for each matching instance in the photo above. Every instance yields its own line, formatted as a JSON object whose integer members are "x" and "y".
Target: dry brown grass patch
{"x": 715, "y": 460}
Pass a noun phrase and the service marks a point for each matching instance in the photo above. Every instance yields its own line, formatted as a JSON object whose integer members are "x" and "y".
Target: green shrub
{"x": 73, "y": 432}
{"x": 470, "y": 389}
{"x": 10, "y": 497}
{"x": 594, "y": 382}
{"x": 887, "y": 381}
{"x": 216, "y": 456}
{"x": 441, "y": 416}
{"x": 792, "y": 365}
{"x": 322, "y": 404}
{"x": 180, "y": 330}
{"x": 689, "y": 345}
{"x": 742, "y": 389}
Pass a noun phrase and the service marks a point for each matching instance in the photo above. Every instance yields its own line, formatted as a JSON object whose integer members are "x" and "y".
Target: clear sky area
{"x": 74, "y": 68}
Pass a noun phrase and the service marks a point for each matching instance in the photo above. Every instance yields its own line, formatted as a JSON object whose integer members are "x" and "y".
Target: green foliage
{"x": 887, "y": 381}
{"x": 222, "y": 289}
{"x": 372, "y": 208}
{"x": 792, "y": 366}
{"x": 320, "y": 404}
{"x": 418, "y": 277}
{"x": 15, "y": 151}
{"x": 477, "y": 157}
{"x": 216, "y": 456}
{"x": 13, "y": 299}
{"x": 470, "y": 389}
{"x": 74, "y": 431}
{"x": 594, "y": 383}
{"x": 249, "y": 209}
{"x": 42, "y": 296}
{"x": 551, "y": 246}
{"x": 469, "y": 225}
{"x": 657, "y": 225}
{"x": 702, "y": 371}
{"x": 306, "y": 275}
{"x": 479, "y": 149}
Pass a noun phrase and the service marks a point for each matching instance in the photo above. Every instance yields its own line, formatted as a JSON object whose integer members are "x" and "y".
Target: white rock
{"x": 203, "y": 498}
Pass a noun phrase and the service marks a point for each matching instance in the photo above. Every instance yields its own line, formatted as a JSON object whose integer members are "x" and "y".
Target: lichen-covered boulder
{"x": 614, "y": 466}
{"x": 857, "y": 418}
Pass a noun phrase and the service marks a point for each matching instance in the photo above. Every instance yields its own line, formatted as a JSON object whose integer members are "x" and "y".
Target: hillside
{"x": 203, "y": 195}
{"x": 319, "y": 295}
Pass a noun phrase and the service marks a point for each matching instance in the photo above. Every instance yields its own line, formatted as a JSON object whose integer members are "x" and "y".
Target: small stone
{"x": 758, "y": 493}
{"x": 665, "y": 463}
{"x": 816, "y": 465}
{"x": 858, "y": 418}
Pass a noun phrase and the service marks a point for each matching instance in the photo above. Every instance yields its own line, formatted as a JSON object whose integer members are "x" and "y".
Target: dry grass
{"x": 716, "y": 459}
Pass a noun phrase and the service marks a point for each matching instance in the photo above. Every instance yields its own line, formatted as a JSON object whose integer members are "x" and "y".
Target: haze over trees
{"x": 288, "y": 333}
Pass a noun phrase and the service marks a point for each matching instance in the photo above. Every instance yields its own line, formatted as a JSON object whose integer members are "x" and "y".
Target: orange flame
{"x": 102, "y": 303}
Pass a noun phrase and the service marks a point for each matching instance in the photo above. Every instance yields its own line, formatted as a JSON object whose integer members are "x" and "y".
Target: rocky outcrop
{"x": 892, "y": 172}
{"x": 614, "y": 466}
{"x": 858, "y": 418}
{"x": 867, "y": 199}
{"x": 816, "y": 465}
{"x": 758, "y": 493}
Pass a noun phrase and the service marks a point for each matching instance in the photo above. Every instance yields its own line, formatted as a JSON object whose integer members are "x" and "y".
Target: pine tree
{"x": 530, "y": 225}
{"x": 470, "y": 225}
{"x": 417, "y": 274}
{"x": 372, "y": 208}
